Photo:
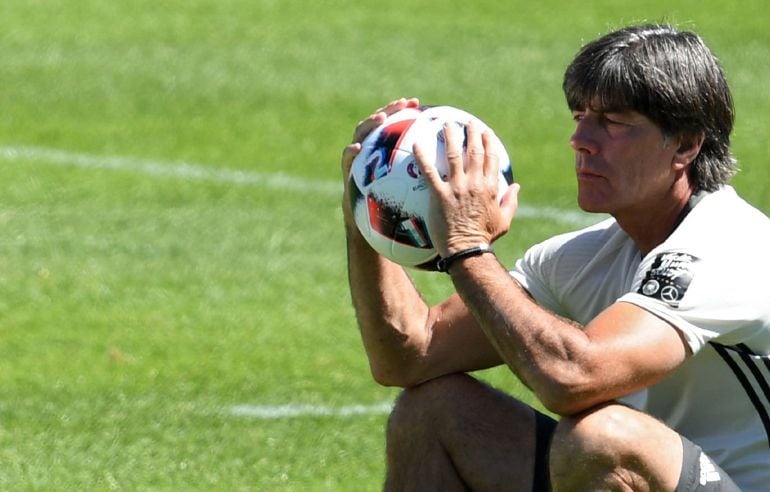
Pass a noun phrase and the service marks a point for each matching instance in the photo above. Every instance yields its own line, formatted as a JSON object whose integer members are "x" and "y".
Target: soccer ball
{"x": 390, "y": 198}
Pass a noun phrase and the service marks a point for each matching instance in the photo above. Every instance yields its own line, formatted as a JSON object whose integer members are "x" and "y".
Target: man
{"x": 648, "y": 333}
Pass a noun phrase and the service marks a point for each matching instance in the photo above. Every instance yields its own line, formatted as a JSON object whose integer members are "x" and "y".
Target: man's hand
{"x": 364, "y": 128}
{"x": 469, "y": 212}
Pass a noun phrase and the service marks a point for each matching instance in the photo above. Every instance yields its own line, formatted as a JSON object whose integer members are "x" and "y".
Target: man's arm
{"x": 406, "y": 341}
{"x": 570, "y": 368}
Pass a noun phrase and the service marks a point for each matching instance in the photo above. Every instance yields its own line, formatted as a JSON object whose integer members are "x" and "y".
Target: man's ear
{"x": 688, "y": 149}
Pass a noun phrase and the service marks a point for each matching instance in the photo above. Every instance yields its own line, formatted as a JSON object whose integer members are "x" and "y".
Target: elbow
{"x": 564, "y": 405}
{"x": 569, "y": 395}
{"x": 391, "y": 376}
{"x": 398, "y": 360}
{"x": 394, "y": 375}
{"x": 387, "y": 378}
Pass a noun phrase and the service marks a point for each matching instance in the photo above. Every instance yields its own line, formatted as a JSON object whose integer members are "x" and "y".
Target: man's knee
{"x": 609, "y": 430}
{"x": 419, "y": 407}
{"x": 613, "y": 444}
{"x": 422, "y": 424}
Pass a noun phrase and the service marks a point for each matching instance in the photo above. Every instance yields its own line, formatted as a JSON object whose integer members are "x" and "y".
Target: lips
{"x": 588, "y": 175}
{"x": 588, "y": 167}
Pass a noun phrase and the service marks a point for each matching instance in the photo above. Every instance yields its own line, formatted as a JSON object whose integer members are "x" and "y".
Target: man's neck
{"x": 651, "y": 227}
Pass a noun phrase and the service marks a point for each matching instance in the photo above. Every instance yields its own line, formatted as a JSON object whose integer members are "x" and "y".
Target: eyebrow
{"x": 618, "y": 111}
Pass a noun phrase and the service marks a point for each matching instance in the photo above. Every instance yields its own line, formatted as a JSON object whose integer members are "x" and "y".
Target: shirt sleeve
{"x": 704, "y": 299}
{"x": 533, "y": 273}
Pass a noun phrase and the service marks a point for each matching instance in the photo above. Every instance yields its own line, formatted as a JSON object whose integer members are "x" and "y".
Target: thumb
{"x": 348, "y": 155}
{"x": 509, "y": 203}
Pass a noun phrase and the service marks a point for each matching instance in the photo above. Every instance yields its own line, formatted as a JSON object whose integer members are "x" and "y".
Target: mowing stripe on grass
{"x": 189, "y": 171}
{"x": 173, "y": 169}
{"x": 267, "y": 412}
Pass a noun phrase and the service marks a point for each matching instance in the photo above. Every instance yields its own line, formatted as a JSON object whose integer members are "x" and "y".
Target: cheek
{"x": 649, "y": 174}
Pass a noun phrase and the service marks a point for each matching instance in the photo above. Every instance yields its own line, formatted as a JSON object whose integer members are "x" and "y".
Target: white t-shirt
{"x": 711, "y": 280}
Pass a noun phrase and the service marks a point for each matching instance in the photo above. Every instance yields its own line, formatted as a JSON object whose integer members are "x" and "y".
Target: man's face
{"x": 622, "y": 160}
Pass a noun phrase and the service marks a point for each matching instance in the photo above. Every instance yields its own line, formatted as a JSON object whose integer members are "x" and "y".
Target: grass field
{"x": 174, "y": 312}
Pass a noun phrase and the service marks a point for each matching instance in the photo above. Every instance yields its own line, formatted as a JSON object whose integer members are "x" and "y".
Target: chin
{"x": 592, "y": 206}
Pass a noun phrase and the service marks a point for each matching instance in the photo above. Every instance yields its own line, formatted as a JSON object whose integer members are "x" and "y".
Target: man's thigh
{"x": 493, "y": 440}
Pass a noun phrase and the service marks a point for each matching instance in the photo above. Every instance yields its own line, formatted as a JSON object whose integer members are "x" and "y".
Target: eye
{"x": 614, "y": 119}
{"x": 577, "y": 116}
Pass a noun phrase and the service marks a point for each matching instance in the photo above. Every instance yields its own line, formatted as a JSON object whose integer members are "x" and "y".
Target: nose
{"x": 583, "y": 138}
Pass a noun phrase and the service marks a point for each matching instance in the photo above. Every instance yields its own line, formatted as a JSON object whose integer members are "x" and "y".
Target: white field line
{"x": 189, "y": 171}
{"x": 270, "y": 412}
{"x": 185, "y": 171}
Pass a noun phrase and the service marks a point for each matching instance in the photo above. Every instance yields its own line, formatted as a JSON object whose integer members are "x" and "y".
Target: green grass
{"x": 137, "y": 309}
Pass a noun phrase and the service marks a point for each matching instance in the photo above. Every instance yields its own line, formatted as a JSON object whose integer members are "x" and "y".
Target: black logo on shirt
{"x": 668, "y": 278}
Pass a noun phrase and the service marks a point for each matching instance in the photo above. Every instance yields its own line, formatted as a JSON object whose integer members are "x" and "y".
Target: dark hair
{"x": 669, "y": 76}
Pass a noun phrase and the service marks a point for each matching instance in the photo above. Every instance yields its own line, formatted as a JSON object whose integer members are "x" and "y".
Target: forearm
{"x": 391, "y": 314}
{"x": 395, "y": 322}
{"x": 548, "y": 353}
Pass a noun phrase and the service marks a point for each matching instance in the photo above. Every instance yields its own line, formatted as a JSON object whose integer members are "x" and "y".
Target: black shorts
{"x": 700, "y": 474}
{"x": 544, "y": 428}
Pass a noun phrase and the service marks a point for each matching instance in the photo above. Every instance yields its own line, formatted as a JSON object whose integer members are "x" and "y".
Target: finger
{"x": 399, "y": 104}
{"x": 348, "y": 154}
{"x": 453, "y": 143}
{"x": 413, "y": 102}
{"x": 365, "y": 127}
{"x": 389, "y": 106}
{"x": 378, "y": 117}
{"x": 492, "y": 153}
{"x": 392, "y": 106}
{"x": 509, "y": 203}
{"x": 474, "y": 149}
{"x": 427, "y": 168}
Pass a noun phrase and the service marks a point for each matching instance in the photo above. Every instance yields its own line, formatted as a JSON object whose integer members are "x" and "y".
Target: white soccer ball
{"x": 390, "y": 198}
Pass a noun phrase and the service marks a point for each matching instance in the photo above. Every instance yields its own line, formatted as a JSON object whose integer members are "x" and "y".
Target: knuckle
{"x": 476, "y": 153}
{"x": 453, "y": 155}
